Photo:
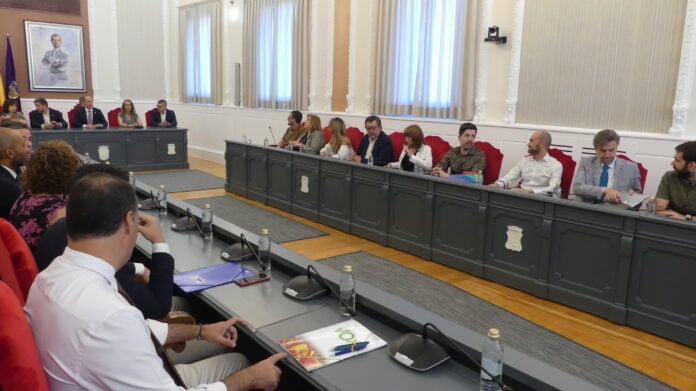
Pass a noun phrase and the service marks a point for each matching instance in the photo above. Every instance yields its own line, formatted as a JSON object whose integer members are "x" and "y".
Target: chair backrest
{"x": 397, "y": 139}
{"x": 327, "y": 134}
{"x": 20, "y": 362}
{"x": 494, "y": 161}
{"x": 71, "y": 115}
{"x": 568, "y": 170}
{"x": 20, "y": 256}
{"x": 643, "y": 171}
{"x": 148, "y": 117}
{"x": 438, "y": 147}
{"x": 113, "y": 117}
{"x": 355, "y": 136}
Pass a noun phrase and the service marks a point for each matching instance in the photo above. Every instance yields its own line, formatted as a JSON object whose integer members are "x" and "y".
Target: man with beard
{"x": 538, "y": 173}
{"x": 676, "y": 195}
{"x": 13, "y": 155}
{"x": 602, "y": 178}
{"x": 465, "y": 157}
{"x": 294, "y": 131}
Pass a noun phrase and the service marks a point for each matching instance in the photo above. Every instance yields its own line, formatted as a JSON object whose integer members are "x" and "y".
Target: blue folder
{"x": 210, "y": 276}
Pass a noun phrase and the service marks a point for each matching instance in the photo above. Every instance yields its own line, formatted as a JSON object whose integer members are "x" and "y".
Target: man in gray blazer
{"x": 603, "y": 177}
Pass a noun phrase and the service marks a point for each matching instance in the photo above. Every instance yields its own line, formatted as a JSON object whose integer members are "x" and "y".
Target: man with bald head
{"x": 537, "y": 173}
{"x": 20, "y": 124}
{"x": 13, "y": 155}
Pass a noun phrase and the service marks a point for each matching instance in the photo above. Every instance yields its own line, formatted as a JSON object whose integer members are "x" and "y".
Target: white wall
{"x": 211, "y": 125}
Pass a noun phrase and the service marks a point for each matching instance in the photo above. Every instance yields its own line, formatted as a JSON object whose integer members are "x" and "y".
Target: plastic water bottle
{"x": 88, "y": 160}
{"x": 162, "y": 199}
{"x": 492, "y": 361}
{"x": 131, "y": 178}
{"x": 346, "y": 304}
{"x": 207, "y": 222}
{"x": 650, "y": 205}
{"x": 479, "y": 177}
{"x": 265, "y": 251}
{"x": 370, "y": 160}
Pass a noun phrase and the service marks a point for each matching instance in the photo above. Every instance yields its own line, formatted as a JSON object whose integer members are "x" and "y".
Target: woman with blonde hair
{"x": 416, "y": 155}
{"x": 45, "y": 182}
{"x": 313, "y": 139}
{"x": 128, "y": 118}
{"x": 340, "y": 146}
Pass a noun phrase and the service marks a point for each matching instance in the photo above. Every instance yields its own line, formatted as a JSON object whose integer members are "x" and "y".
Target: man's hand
{"x": 149, "y": 227}
{"x": 521, "y": 190}
{"x": 264, "y": 375}
{"x": 438, "y": 171}
{"x": 612, "y": 196}
{"x": 495, "y": 184}
{"x": 356, "y": 158}
{"x": 670, "y": 213}
{"x": 222, "y": 333}
{"x": 90, "y": 126}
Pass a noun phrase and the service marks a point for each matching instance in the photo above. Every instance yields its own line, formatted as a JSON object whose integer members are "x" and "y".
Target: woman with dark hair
{"x": 416, "y": 156}
{"x": 9, "y": 107}
{"x": 45, "y": 182}
{"x": 128, "y": 118}
{"x": 339, "y": 146}
{"x": 312, "y": 141}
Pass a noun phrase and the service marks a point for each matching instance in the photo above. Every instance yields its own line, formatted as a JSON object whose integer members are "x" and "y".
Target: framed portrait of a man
{"x": 55, "y": 54}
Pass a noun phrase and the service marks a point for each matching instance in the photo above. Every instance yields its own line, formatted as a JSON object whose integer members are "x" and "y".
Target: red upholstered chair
{"x": 113, "y": 117}
{"x": 327, "y": 134}
{"x": 568, "y": 170}
{"x": 438, "y": 147}
{"x": 643, "y": 171}
{"x": 71, "y": 115}
{"x": 397, "y": 139}
{"x": 7, "y": 273}
{"x": 494, "y": 161}
{"x": 20, "y": 362}
{"x": 355, "y": 136}
{"x": 148, "y": 117}
{"x": 21, "y": 258}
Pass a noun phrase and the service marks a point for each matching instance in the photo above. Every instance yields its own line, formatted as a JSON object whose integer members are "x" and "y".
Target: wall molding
{"x": 96, "y": 80}
{"x": 514, "y": 73}
{"x": 116, "y": 67}
{"x": 685, "y": 77}
{"x": 480, "y": 101}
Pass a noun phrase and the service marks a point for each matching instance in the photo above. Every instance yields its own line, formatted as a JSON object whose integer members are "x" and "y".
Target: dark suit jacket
{"x": 36, "y": 119}
{"x": 9, "y": 191}
{"x": 382, "y": 152}
{"x": 81, "y": 118}
{"x": 153, "y": 300}
{"x": 156, "y": 118}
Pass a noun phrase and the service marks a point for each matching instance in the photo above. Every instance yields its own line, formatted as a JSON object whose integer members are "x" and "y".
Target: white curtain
{"x": 276, "y": 54}
{"x": 425, "y": 60}
{"x": 200, "y": 32}
{"x": 600, "y": 64}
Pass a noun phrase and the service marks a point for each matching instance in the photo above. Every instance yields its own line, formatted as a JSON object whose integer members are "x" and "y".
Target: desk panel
{"x": 370, "y": 203}
{"x": 335, "y": 182}
{"x": 305, "y": 192}
{"x": 279, "y": 179}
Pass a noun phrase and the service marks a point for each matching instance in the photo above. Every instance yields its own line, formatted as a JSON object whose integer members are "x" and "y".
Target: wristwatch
{"x": 687, "y": 217}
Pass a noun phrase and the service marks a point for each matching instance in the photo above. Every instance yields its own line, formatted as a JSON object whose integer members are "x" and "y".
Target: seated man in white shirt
{"x": 90, "y": 337}
{"x": 537, "y": 173}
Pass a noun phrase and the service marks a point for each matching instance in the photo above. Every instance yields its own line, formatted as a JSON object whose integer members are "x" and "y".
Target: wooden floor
{"x": 667, "y": 361}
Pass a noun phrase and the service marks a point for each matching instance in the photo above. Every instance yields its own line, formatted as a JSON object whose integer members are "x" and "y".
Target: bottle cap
{"x": 493, "y": 333}
{"x": 130, "y": 172}
{"x": 207, "y": 206}
{"x": 347, "y": 268}
{"x": 161, "y": 186}
{"x": 264, "y": 231}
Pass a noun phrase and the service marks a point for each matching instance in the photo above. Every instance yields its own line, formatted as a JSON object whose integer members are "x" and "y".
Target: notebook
{"x": 210, "y": 276}
{"x": 633, "y": 201}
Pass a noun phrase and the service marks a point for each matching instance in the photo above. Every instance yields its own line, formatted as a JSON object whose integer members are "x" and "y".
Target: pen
{"x": 346, "y": 351}
{"x": 350, "y": 347}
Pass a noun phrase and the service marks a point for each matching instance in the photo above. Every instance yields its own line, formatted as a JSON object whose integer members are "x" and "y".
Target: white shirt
{"x": 47, "y": 118}
{"x": 541, "y": 176}
{"x": 422, "y": 160}
{"x": 344, "y": 151}
{"x": 11, "y": 171}
{"x": 89, "y": 337}
{"x": 370, "y": 146}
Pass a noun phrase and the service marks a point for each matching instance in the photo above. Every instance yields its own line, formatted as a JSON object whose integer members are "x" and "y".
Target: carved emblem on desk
{"x": 103, "y": 152}
{"x": 171, "y": 149}
{"x": 304, "y": 184}
{"x": 514, "y": 238}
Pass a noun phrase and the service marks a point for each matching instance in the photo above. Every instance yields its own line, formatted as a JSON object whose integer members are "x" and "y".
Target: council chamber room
{"x": 347, "y": 195}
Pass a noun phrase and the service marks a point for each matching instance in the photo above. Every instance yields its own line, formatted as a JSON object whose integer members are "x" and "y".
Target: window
{"x": 201, "y": 61}
{"x": 425, "y": 62}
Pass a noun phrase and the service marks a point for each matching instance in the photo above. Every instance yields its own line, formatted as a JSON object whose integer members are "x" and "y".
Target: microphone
{"x": 150, "y": 204}
{"x": 185, "y": 223}
{"x": 418, "y": 352}
{"x": 272, "y": 135}
{"x": 304, "y": 287}
{"x": 237, "y": 252}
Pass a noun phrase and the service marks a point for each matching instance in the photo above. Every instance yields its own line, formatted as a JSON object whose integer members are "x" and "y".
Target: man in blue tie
{"x": 603, "y": 177}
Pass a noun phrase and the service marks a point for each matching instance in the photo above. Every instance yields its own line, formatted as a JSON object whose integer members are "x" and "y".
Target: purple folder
{"x": 210, "y": 276}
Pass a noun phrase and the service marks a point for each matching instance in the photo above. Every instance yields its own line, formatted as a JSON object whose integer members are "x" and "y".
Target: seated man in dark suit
{"x": 45, "y": 117}
{"x": 13, "y": 155}
{"x": 154, "y": 300}
{"x": 602, "y": 178}
{"x": 89, "y": 117}
{"x": 376, "y": 144}
{"x": 163, "y": 118}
